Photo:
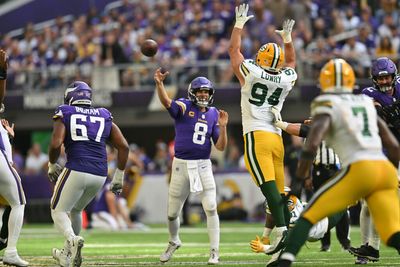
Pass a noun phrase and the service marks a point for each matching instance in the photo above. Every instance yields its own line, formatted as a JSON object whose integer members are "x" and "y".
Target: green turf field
{"x": 135, "y": 248}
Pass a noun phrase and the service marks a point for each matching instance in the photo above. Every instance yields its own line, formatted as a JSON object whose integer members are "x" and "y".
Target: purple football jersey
{"x": 87, "y": 130}
{"x": 193, "y": 129}
{"x": 382, "y": 98}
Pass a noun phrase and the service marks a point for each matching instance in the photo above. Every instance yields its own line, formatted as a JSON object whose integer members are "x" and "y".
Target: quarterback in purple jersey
{"x": 83, "y": 130}
{"x": 196, "y": 125}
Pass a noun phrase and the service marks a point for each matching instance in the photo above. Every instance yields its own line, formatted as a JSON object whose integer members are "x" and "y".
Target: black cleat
{"x": 365, "y": 251}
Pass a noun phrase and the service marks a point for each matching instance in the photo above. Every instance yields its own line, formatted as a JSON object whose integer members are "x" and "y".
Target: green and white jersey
{"x": 261, "y": 91}
{"x": 353, "y": 132}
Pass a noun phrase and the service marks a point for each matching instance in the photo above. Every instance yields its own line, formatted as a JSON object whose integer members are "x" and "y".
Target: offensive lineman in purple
{"x": 92, "y": 125}
{"x": 83, "y": 130}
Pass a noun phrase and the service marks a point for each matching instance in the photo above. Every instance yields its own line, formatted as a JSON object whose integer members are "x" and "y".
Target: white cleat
{"x": 12, "y": 259}
{"x": 61, "y": 256}
{"x": 214, "y": 257}
{"x": 167, "y": 255}
{"x": 76, "y": 244}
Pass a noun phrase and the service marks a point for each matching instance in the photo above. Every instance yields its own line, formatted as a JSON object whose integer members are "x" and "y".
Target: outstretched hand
{"x": 159, "y": 76}
{"x": 241, "y": 15}
{"x": 286, "y": 32}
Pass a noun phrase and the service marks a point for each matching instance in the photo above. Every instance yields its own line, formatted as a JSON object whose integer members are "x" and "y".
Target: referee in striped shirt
{"x": 325, "y": 165}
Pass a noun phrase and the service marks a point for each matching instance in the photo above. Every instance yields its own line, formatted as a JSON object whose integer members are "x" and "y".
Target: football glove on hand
{"x": 2, "y": 108}
{"x": 241, "y": 15}
{"x": 117, "y": 182}
{"x": 54, "y": 171}
{"x": 278, "y": 122}
{"x": 391, "y": 114}
{"x": 257, "y": 246}
{"x": 286, "y": 32}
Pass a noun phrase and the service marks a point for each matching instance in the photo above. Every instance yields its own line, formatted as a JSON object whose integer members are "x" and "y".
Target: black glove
{"x": 391, "y": 114}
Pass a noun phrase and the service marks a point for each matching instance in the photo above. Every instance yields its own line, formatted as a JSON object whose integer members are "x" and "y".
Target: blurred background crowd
{"x": 51, "y": 54}
{"x": 102, "y": 47}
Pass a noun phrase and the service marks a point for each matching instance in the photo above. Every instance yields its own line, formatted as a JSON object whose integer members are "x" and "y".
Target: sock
{"x": 298, "y": 236}
{"x": 14, "y": 226}
{"x": 213, "y": 229}
{"x": 364, "y": 223}
{"x": 4, "y": 226}
{"x": 275, "y": 203}
{"x": 173, "y": 227}
{"x": 374, "y": 239}
{"x": 62, "y": 223}
{"x": 286, "y": 212}
{"x": 76, "y": 221}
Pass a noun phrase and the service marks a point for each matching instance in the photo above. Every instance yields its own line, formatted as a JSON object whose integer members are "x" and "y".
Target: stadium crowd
{"x": 192, "y": 31}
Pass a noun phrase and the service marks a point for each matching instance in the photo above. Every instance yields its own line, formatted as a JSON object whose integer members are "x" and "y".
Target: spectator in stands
{"x": 36, "y": 160}
{"x": 385, "y": 48}
{"x": 356, "y": 54}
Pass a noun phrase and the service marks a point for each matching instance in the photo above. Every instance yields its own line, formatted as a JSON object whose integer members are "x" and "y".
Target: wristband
{"x": 282, "y": 125}
{"x": 304, "y": 129}
{"x": 307, "y": 155}
{"x": 51, "y": 166}
{"x": 3, "y": 74}
{"x": 118, "y": 175}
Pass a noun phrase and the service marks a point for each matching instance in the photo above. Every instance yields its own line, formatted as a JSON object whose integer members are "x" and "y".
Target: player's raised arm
{"x": 3, "y": 77}
{"x": 235, "y": 42}
{"x": 159, "y": 78}
{"x": 286, "y": 34}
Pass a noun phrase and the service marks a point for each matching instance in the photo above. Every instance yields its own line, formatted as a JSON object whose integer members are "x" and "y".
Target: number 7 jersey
{"x": 353, "y": 132}
{"x": 261, "y": 91}
{"x": 87, "y": 130}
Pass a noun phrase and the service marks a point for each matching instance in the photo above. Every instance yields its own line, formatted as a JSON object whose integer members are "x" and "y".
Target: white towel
{"x": 194, "y": 177}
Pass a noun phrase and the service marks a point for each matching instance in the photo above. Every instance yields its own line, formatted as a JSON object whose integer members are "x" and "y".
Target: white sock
{"x": 173, "y": 227}
{"x": 374, "y": 239}
{"x": 76, "y": 221}
{"x": 365, "y": 222}
{"x": 213, "y": 230}
{"x": 15, "y": 222}
{"x": 62, "y": 223}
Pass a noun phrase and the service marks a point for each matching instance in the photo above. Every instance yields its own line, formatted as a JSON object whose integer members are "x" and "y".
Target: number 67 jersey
{"x": 261, "y": 91}
{"x": 353, "y": 133}
{"x": 87, "y": 130}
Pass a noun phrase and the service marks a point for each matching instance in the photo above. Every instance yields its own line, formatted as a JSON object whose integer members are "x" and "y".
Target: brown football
{"x": 149, "y": 47}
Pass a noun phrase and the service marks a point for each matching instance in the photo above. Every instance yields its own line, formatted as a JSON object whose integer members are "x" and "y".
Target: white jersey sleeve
{"x": 353, "y": 133}
{"x": 261, "y": 91}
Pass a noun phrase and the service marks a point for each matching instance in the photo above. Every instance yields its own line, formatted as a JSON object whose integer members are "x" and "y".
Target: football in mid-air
{"x": 149, "y": 47}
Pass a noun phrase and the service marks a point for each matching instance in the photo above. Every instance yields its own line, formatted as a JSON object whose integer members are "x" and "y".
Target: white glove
{"x": 241, "y": 15}
{"x": 117, "y": 182}
{"x": 278, "y": 122}
{"x": 54, "y": 171}
{"x": 286, "y": 32}
{"x": 2, "y": 108}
